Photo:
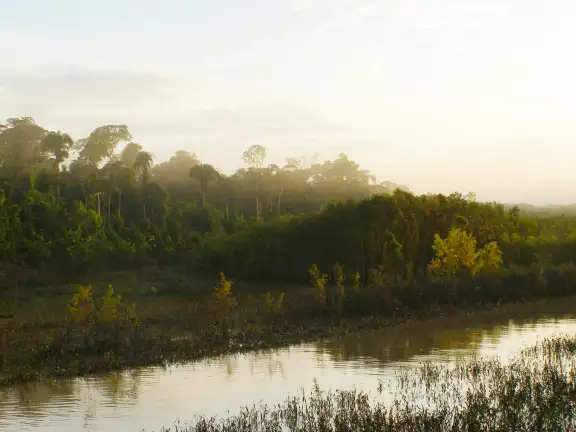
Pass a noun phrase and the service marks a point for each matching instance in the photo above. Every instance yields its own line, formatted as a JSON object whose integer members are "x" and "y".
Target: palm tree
{"x": 255, "y": 176}
{"x": 142, "y": 165}
{"x": 204, "y": 174}
{"x": 119, "y": 176}
{"x": 58, "y": 145}
{"x": 227, "y": 189}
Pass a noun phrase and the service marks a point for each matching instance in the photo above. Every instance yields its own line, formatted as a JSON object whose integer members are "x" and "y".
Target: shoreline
{"x": 186, "y": 349}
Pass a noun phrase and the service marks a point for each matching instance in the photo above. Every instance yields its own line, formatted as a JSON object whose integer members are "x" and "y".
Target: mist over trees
{"x": 94, "y": 166}
{"x": 82, "y": 200}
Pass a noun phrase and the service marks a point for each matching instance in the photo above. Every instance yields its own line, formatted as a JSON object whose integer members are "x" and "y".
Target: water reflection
{"x": 120, "y": 388}
{"x": 149, "y": 398}
{"x": 261, "y": 362}
{"x": 454, "y": 337}
{"x": 31, "y": 398}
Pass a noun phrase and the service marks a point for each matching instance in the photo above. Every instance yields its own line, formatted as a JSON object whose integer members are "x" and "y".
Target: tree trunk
{"x": 57, "y": 169}
{"x": 279, "y": 201}
{"x": 203, "y": 199}
{"x": 258, "y": 201}
{"x": 119, "y": 203}
{"x": 98, "y": 194}
{"x": 109, "y": 204}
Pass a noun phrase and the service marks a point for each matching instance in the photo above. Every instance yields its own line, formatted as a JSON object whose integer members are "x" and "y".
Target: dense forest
{"x": 100, "y": 202}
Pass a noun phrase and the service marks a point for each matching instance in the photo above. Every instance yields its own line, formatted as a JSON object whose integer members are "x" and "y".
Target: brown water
{"x": 149, "y": 398}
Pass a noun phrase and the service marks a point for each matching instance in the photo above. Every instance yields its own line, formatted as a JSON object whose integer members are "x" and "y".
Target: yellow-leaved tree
{"x": 110, "y": 302}
{"x": 457, "y": 254}
{"x": 223, "y": 292}
{"x": 81, "y": 308}
{"x": 318, "y": 281}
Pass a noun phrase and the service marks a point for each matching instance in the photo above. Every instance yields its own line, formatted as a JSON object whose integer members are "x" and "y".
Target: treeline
{"x": 93, "y": 171}
{"x": 100, "y": 201}
{"x": 84, "y": 205}
{"x": 388, "y": 238}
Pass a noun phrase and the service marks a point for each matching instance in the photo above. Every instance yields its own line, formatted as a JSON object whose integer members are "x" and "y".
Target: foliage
{"x": 387, "y": 236}
{"x": 318, "y": 281}
{"x": 110, "y": 302}
{"x": 274, "y": 305}
{"x": 491, "y": 257}
{"x": 457, "y": 253}
{"x": 223, "y": 292}
{"x": 356, "y": 282}
{"x": 129, "y": 316}
{"x": 113, "y": 208}
{"x": 338, "y": 273}
{"x": 81, "y": 307}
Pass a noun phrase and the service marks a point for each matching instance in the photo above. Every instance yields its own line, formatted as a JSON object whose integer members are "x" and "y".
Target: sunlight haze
{"x": 439, "y": 95}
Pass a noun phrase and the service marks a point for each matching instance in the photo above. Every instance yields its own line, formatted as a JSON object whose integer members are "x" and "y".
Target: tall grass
{"x": 534, "y": 391}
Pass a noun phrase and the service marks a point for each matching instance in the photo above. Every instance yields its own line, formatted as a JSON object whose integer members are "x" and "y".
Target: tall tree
{"x": 21, "y": 144}
{"x": 204, "y": 174}
{"x": 227, "y": 188}
{"x": 254, "y": 158}
{"x": 278, "y": 179}
{"x": 177, "y": 168}
{"x": 129, "y": 154}
{"x": 142, "y": 165}
{"x": 101, "y": 143}
{"x": 119, "y": 177}
{"x": 57, "y": 145}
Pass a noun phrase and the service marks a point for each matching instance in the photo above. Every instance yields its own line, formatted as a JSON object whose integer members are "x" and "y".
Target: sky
{"x": 439, "y": 95}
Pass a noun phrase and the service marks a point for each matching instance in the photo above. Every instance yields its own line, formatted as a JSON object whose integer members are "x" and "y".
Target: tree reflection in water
{"x": 268, "y": 361}
{"x": 457, "y": 336}
{"x": 121, "y": 387}
{"x": 35, "y": 401}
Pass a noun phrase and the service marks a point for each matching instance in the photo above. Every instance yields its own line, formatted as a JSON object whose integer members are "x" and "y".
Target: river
{"x": 149, "y": 398}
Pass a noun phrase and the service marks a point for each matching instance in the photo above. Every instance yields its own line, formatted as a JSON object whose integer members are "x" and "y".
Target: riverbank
{"x": 172, "y": 327}
{"x": 533, "y": 391}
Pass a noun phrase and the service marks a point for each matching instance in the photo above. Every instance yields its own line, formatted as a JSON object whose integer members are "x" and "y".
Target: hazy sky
{"x": 440, "y": 95}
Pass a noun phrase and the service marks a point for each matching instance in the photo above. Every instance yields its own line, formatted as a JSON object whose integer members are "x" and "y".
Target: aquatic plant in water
{"x": 536, "y": 390}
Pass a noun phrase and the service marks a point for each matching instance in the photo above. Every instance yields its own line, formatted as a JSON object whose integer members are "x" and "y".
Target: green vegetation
{"x": 535, "y": 391}
{"x": 303, "y": 251}
{"x": 71, "y": 208}
{"x": 115, "y": 210}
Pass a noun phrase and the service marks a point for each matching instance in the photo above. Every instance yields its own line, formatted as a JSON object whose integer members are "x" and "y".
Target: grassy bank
{"x": 179, "y": 318}
{"x": 534, "y": 391}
